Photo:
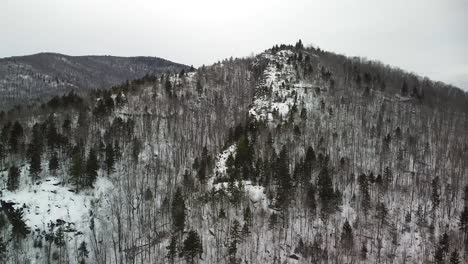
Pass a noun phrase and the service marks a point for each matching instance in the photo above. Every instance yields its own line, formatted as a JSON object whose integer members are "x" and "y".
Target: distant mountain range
{"x": 41, "y": 76}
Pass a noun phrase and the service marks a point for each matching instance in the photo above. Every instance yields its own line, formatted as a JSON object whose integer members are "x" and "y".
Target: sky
{"x": 426, "y": 37}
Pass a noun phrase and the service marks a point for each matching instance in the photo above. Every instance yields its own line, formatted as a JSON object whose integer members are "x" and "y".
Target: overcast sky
{"x": 428, "y": 37}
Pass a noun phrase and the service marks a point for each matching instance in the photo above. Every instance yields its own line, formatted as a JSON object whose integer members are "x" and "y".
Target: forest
{"x": 294, "y": 155}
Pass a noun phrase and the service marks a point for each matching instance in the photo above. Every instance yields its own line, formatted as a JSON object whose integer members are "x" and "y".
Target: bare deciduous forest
{"x": 295, "y": 155}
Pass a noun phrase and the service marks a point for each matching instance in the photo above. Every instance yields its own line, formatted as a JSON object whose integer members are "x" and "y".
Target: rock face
{"x": 41, "y": 76}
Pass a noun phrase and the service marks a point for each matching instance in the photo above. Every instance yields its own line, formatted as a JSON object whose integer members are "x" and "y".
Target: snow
{"x": 220, "y": 164}
{"x": 256, "y": 193}
{"x": 273, "y": 94}
{"x": 48, "y": 200}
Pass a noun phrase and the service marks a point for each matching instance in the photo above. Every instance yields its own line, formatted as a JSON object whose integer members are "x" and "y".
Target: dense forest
{"x": 295, "y": 155}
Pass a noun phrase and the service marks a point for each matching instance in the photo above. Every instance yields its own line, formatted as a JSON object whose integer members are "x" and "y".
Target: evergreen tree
{"x": 19, "y": 228}
{"x": 464, "y": 221}
{"x": 245, "y": 231}
{"x": 283, "y": 178}
{"x": 77, "y": 167}
{"x": 192, "y": 247}
{"x": 311, "y": 203}
{"x": 13, "y": 178}
{"x": 325, "y": 190}
{"x": 168, "y": 85}
{"x": 110, "y": 158}
{"x": 364, "y": 251}
{"x": 172, "y": 249}
{"x": 2, "y": 153}
{"x": 82, "y": 253}
{"x": 404, "y": 89}
{"x": 92, "y": 167}
{"x": 455, "y": 257}
{"x": 347, "y": 239}
{"x": 248, "y": 216}
{"x": 53, "y": 163}
{"x": 365, "y": 195}
{"x": 178, "y": 211}
{"x": 235, "y": 237}
{"x": 52, "y": 136}
{"x": 16, "y": 133}
{"x": 3, "y": 250}
{"x": 435, "y": 193}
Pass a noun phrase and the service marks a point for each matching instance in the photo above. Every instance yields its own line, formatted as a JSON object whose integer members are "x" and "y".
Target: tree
{"x": 91, "y": 169}
{"x": 110, "y": 158}
{"x": 16, "y": 134}
{"x": 365, "y": 196}
{"x": 326, "y": 192}
{"x": 455, "y": 257}
{"x": 178, "y": 211}
{"x": 172, "y": 250}
{"x": 311, "y": 203}
{"x": 435, "y": 193}
{"x": 13, "y": 178}
{"x": 19, "y": 228}
{"x": 3, "y": 250}
{"x": 77, "y": 167}
{"x": 283, "y": 178}
{"x": 464, "y": 221}
{"x": 168, "y": 85}
{"x": 347, "y": 239}
{"x": 235, "y": 237}
{"x": 2, "y": 153}
{"x": 404, "y": 89}
{"x": 192, "y": 247}
{"x": 248, "y": 216}
{"x": 82, "y": 253}
{"x": 35, "y": 151}
{"x": 53, "y": 163}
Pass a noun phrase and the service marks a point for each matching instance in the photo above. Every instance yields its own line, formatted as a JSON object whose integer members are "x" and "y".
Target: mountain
{"x": 296, "y": 155}
{"x": 41, "y": 76}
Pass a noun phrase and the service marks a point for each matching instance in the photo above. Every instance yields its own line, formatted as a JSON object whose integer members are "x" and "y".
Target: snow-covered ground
{"x": 49, "y": 200}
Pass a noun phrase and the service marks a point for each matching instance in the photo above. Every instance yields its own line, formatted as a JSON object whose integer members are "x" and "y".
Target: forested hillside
{"x": 39, "y": 77}
{"x": 296, "y": 155}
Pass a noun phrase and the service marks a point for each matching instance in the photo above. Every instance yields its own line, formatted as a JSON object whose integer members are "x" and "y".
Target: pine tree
{"x": 435, "y": 193}
{"x": 35, "y": 165}
{"x": 404, "y": 89}
{"x": 234, "y": 232}
{"x": 311, "y": 203}
{"x": 248, "y": 216}
{"x": 325, "y": 190}
{"x": 464, "y": 221}
{"x": 235, "y": 236}
{"x": 13, "y": 178}
{"x": 2, "y": 152}
{"x": 172, "y": 249}
{"x": 192, "y": 247}
{"x": 455, "y": 257}
{"x": 92, "y": 167}
{"x": 110, "y": 158}
{"x": 77, "y": 168}
{"x": 364, "y": 251}
{"x": 168, "y": 85}
{"x": 347, "y": 239}
{"x": 245, "y": 231}
{"x": 82, "y": 253}
{"x": 178, "y": 211}
{"x": 365, "y": 196}
{"x": 284, "y": 179}
{"x": 19, "y": 228}
{"x": 16, "y": 133}
{"x": 53, "y": 163}
{"x": 3, "y": 250}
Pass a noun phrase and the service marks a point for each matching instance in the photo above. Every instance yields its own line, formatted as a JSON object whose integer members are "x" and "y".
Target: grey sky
{"x": 428, "y": 37}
